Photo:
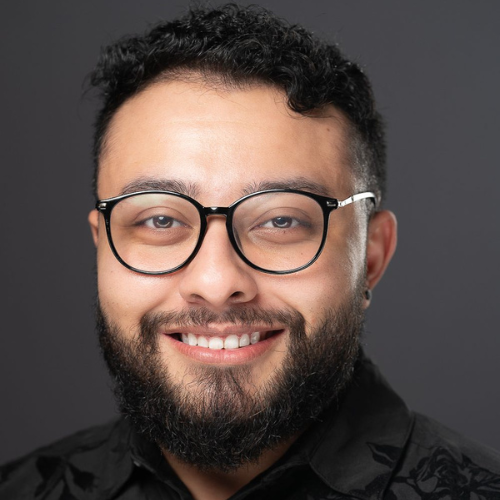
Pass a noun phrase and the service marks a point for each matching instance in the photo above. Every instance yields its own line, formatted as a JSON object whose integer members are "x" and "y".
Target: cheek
{"x": 125, "y": 296}
{"x": 315, "y": 289}
{"x": 333, "y": 278}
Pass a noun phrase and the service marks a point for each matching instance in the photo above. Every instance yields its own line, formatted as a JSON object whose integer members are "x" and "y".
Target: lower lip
{"x": 225, "y": 356}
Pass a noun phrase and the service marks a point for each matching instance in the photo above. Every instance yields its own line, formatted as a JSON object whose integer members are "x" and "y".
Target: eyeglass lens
{"x": 156, "y": 232}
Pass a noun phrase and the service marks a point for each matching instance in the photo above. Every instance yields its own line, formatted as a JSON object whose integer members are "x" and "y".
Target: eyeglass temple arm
{"x": 357, "y": 197}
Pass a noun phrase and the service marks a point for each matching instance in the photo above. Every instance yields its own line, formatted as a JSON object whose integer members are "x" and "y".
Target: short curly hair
{"x": 238, "y": 46}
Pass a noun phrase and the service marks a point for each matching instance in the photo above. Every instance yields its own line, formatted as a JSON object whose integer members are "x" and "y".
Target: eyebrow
{"x": 300, "y": 183}
{"x": 192, "y": 189}
{"x": 152, "y": 184}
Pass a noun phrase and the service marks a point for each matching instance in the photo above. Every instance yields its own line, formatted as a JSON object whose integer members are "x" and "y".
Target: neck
{"x": 216, "y": 485}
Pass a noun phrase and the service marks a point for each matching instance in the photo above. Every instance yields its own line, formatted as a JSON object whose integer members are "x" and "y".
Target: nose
{"x": 217, "y": 277}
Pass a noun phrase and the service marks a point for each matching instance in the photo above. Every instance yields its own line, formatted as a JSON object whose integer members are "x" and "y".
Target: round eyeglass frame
{"x": 105, "y": 207}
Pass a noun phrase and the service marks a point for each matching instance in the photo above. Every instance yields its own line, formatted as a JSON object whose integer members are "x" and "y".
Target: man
{"x": 239, "y": 232}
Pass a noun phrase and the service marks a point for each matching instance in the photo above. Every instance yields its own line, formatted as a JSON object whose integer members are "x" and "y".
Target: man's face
{"x": 223, "y": 144}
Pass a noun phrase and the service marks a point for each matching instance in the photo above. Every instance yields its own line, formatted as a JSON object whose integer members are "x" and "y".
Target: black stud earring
{"x": 368, "y": 294}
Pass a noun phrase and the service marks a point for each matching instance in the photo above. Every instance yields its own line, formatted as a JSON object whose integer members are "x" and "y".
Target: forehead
{"x": 222, "y": 142}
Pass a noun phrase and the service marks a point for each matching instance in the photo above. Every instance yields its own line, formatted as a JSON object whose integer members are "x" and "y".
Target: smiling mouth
{"x": 224, "y": 342}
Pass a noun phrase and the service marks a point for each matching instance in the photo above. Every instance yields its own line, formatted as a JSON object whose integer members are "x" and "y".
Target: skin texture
{"x": 223, "y": 143}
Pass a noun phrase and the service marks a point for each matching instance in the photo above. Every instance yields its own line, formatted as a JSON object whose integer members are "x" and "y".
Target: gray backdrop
{"x": 434, "y": 322}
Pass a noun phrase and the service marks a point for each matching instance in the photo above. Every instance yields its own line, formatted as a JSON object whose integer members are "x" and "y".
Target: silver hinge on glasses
{"x": 102, "y": 206}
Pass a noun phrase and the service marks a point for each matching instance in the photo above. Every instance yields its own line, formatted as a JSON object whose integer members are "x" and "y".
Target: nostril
{"x": 237, "y": 296}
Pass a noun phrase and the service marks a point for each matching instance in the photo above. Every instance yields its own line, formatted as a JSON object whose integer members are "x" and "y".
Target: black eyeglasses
{"x": 278, "y": 231}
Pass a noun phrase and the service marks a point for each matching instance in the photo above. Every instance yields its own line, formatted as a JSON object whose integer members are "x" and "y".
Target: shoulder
{"x": 441, "y": 462}
{"x": 428, "y": 433}
{"x": 70, "y": 464}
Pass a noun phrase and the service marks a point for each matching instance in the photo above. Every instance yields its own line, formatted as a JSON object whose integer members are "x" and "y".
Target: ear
{"x": 381, "y": 244}
{"x": 94, "y": 225}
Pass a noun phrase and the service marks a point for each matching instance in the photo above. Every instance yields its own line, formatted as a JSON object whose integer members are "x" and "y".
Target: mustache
{"x": 204, "y": 316}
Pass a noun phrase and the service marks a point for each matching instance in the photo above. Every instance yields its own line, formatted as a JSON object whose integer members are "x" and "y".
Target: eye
{"x": 281, "y": 222}
{"x": 162, "y": 222}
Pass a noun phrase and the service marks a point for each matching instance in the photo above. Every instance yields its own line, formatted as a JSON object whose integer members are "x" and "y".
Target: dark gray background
{"x": 434, "y": 322}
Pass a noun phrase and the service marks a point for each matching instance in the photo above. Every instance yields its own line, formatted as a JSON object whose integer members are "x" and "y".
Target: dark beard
{"x": 223, "y": 426}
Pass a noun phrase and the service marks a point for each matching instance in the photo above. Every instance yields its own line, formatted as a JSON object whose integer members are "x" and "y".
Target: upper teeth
{"x": 229, "y": 342}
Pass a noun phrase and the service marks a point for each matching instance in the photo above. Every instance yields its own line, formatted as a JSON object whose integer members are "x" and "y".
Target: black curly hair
{"x": 237, "y": 46}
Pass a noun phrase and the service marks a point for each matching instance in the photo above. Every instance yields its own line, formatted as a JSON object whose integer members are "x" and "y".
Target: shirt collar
{"x": 357, "y": 447}
{"x": 116, "y": 466}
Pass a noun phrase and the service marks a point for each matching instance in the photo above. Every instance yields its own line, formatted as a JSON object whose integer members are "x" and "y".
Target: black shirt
{"x": 371, "y": 448}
